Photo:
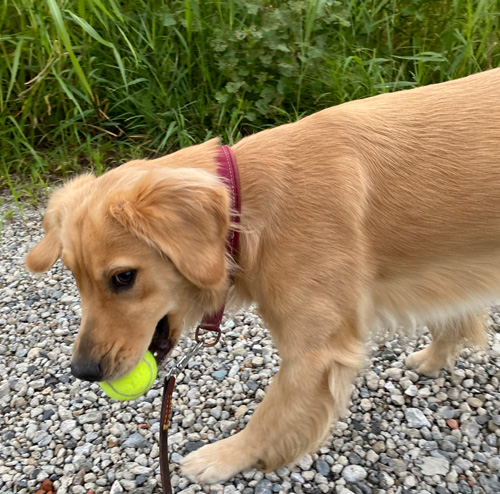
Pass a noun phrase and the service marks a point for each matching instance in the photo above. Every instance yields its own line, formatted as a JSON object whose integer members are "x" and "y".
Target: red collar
{"x": 228, "y": 172}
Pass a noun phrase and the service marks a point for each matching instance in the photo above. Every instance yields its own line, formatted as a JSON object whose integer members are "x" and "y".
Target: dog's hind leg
{"x": 311, "y": 388}
{"x": 448, "y": 338}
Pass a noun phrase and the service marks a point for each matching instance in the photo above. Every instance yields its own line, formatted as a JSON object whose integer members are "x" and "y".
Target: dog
{"x": 381, "y": 212}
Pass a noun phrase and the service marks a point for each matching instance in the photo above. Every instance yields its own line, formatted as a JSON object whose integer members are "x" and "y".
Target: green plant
{"x": 87, "y": 83}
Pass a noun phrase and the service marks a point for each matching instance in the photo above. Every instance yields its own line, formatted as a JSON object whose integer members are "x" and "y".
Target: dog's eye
{"x": 123, "y": 280}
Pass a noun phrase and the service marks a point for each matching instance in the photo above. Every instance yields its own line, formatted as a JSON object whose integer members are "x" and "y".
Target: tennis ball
{"x": 135, "y": 383}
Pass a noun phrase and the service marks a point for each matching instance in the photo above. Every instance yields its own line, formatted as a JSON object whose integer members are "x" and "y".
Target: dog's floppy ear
{"x": 44, "y": 255}
{"x": 184, "y": 213}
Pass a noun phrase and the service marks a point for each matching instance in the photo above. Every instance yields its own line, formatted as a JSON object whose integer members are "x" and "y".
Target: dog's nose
{"x": 87, "y": 370}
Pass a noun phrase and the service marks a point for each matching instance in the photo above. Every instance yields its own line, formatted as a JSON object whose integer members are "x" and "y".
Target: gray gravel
{"x": 402, "y": 434}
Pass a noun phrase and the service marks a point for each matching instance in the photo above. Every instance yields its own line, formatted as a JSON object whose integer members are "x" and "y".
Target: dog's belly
{"x": 436, "y": 293}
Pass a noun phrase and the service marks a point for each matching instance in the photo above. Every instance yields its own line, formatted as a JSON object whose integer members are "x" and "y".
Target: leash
{"x": 228, "y": 172}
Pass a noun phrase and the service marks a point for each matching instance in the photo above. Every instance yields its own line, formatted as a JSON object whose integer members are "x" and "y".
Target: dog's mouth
{"x": 161, "y": 344}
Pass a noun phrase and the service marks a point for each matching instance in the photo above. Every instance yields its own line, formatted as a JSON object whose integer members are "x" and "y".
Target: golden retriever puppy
{"x": 375, "y": 212}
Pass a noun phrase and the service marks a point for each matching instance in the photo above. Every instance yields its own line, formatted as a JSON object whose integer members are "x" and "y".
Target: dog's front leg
{"x": 311, "y": 388}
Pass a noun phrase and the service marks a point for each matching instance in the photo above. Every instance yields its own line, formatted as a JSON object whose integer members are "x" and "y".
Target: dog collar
{"x": 228, "y": 173}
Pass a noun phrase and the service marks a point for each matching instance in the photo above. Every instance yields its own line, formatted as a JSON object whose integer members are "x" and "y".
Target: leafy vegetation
{"x": 94, "y": 82}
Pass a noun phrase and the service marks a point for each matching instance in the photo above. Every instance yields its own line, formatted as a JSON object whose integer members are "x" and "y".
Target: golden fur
{"x": 383, "y": 211}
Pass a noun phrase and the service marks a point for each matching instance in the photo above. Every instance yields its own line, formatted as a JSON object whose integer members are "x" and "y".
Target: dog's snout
{"x": 87, "y": 370}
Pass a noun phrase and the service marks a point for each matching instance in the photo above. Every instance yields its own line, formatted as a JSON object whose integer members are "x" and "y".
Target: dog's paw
{"x": 423, "y": 363}
{"x": 217, "y": 462}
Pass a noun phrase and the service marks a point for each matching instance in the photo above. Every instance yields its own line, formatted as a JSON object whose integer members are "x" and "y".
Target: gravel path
{"x": 402, "y": 434}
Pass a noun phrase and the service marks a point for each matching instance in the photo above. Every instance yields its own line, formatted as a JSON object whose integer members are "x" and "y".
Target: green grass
{"x": 92, "y": 83}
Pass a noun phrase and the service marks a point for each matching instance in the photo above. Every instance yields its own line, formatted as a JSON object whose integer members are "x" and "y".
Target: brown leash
{"x": 166, "y": 411}
{"x": 228, "y": 172}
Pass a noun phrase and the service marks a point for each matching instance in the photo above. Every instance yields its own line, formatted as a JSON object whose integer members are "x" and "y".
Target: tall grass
{"x": 92, "y": 82}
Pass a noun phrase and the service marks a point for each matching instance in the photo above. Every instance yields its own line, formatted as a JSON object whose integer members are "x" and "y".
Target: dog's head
{"x": 146, "y": 245}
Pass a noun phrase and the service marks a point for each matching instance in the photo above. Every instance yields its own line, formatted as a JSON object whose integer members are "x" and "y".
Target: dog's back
{"x": 409, "y": 182}
{"x": 432, "y": 157}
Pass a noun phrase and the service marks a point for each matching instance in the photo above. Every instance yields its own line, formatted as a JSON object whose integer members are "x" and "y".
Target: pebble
{"x": 239, "y": 350}
{"x": 386, "y": 481}
{"x": 398, "y": 400}
{"x": 235, "y": 369}
{"x": 296, "y": 477}
{"x": 264, "y": 487}
{"x": 241, "y": 411}
{"x": 193, "y": 446}
{"x": 434, "y": 466}
{"x": 398, "y": 466}
{"x": 257, "y": 361}
{"x": 136, "y": 441}
{"x": 394, "y": 374}
{"x": 92, "y": 417}
{"x": 416, "y": 418}
{"x": 116, "y": 488}
{"x": 67, "y": 426}
{"x": 372, "y": 380}
{"x": 447, "y": 446}
{"x": 306, "y": 462}
{"x": 322, "y": 467}
{"x": 227, "y": 425}
{"x": 219, "y": 374}
{"x": 354, "y": 473}
{"x": 252, "y": 386}
{"x": 365, "y": 404}
{"x": 448, "y": 412}
{"x": 475, "y": 402}
{"x": 470, "y": 428}
{"x": 260, "y": 395}
{"x": 457, "y": 377}
{"x": 411, "y": 391}
{"x": 117, "y": 429}
{"x": 371, "y": 456}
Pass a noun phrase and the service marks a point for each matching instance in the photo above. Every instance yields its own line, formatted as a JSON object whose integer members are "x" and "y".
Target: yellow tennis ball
{"x": 135, "y": 383}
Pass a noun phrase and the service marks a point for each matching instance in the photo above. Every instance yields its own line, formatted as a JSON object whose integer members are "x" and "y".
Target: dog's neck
{"x": 262, "y": 173}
